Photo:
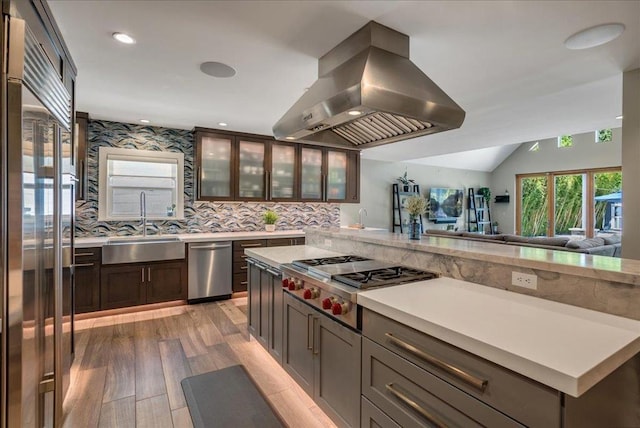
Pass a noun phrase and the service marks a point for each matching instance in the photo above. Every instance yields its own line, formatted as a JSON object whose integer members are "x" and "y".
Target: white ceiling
{"x": 504, "y": 62}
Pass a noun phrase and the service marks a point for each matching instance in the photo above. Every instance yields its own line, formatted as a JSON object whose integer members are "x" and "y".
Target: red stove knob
{"x": 327, "y": 303}
{"x": 311, "y": 293}
{"x": 339, "y": 308}
{"x": 285, "y": 282}
{"x": 295, "y": 284}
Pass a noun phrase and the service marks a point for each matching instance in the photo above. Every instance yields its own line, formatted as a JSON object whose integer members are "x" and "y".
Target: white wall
{"x": 631, "y": 164}
{"x": 584, "y": 154}
{"x": 376, "y": 181}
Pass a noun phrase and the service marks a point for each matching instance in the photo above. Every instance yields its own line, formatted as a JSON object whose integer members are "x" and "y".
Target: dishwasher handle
{"x": 210, "y": 247}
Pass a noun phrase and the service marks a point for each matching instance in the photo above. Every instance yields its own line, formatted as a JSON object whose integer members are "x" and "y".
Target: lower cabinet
{"x": 323, "y": 356}
{"x": 420, "y": 381}
{"x": 141, "y": 283}
{"x": 265, "y": 307}
{"x": 87, "y": 279}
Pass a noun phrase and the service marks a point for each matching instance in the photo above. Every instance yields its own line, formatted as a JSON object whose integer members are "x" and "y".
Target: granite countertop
{"x": 200, "y": 237}
{"x": 598, "y": 267}
{"x": 562, "y": 346}
{"x": 276, "y": 256}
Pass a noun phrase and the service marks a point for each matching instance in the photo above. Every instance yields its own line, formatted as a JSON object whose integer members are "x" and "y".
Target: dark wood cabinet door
{"x": 265, "y": 307}
{"x": 215, "y": 166}
{"x": 87, "y": 287}
{"x": 276, "y": 311}
{"x": 165, "y": 282}
{"x": 254, "y": 299}
{"x": 122, "y": 286}
{"x": 297, "y": 356}
{"x": 283, "y": 174}
{"x": 337, "y": 364}
{"x": 82, "y": 132}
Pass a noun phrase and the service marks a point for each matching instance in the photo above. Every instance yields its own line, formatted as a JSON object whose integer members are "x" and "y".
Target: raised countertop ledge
{"x": 598, "y": 267}
{"x": 562, "y": 346}
{"x": 276, "y": 256}
{"x": 201, "y": 237}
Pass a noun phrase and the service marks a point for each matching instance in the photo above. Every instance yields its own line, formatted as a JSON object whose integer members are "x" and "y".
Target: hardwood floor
{"x": 128, "y": 367}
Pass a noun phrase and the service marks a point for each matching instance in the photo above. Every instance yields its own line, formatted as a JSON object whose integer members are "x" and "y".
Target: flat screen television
{"x": 445, "y": 205}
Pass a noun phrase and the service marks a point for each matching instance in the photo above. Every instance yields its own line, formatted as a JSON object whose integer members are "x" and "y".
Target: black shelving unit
{"x": 398, "y": 213}
{"x": 478, "y": 214}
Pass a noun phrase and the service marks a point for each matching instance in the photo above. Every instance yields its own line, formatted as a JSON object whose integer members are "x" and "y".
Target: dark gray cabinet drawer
{"x": 372, "y": 417}
{"x": 414, "y": 397}
{"x": 525, "y": 400}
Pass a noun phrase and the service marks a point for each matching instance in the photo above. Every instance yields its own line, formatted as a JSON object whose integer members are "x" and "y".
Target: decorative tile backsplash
{"x": 199, "y": 216}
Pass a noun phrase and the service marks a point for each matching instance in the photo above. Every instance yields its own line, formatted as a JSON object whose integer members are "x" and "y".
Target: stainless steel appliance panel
{"x": 209, "y": 270}
{"x": 35, "y": 245}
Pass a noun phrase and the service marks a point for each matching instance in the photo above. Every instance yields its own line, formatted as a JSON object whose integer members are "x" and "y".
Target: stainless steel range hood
{"x": 369, "y": 93}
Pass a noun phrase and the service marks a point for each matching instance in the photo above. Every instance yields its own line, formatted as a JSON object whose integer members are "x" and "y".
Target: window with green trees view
{"x": 563, "y": 203}
{"x": 565, "y": 141}
{"x": 604, "y": 136}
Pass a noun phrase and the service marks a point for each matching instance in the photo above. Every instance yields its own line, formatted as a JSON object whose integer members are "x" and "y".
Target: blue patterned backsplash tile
{"x": 199, "y": 216}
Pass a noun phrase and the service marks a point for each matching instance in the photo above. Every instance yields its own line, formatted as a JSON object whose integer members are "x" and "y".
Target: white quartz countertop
{"x": 562, "y": 346}
{"x": 201, "y": 237}
{"x": 276, "y": 256}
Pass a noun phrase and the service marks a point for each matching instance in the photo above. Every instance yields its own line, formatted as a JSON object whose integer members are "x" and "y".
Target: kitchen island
{"x": 544, "y": 363}
{"x": 605, "y": 284}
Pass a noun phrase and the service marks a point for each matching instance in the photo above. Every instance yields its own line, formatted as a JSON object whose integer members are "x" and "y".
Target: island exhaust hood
{"x": 369, "y": 93}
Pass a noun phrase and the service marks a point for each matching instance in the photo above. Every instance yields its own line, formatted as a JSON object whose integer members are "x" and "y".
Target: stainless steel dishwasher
{"x": 209, "y": 271}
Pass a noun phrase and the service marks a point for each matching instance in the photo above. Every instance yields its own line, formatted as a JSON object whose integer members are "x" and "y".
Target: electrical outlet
{"x": 524, "y": 280}
{"x": 327, "y": 242}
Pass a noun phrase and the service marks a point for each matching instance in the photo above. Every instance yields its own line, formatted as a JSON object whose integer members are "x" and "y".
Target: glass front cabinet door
{"x": 282, "y": 178}
{"x": 214, "y": 178}
{"x": 311, "y": 174}
{"x": 251, "y": 170}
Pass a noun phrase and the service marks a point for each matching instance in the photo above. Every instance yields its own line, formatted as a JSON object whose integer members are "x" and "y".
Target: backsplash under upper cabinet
{"x": 199, "y": 216}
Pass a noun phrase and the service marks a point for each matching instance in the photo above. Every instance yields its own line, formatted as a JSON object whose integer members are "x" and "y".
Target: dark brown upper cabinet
{"x": 246, "y": 167}
{"x": 81, "y": 147}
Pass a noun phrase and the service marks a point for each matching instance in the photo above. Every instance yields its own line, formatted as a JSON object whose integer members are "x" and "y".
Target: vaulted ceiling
{"x": 504, "y": 62}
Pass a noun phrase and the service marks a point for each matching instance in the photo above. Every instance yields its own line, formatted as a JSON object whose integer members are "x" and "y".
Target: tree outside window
{"x": 604, "y": 136}
{"x": 565, "y": 141}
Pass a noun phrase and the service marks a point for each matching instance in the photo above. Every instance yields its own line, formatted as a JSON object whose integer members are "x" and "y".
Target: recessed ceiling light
{"x": 124, "y": 38}
{"x": 619, "y": 117}
{"x": 144, "y": 121}
{"x": 355, "y": 112}
{"x": 217, "y": 69}
{"x": 594, "y": 36}
{"x": 222, "y": 124}
{"x": 289, "y": 138}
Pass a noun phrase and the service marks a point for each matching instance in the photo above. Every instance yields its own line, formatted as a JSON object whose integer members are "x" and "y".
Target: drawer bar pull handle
{"x": 479, "y": 384}
{"x": 83, "y": 254}
{"x": 83, "y": 265}
{"x": 415, "y": 406}
{"x": 250, "y": 245}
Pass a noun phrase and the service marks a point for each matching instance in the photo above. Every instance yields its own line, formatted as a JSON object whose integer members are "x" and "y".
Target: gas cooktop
{"x": 305, "y": 264}
{"x": 332, "y": 284}
{"x": 394, "y": 275}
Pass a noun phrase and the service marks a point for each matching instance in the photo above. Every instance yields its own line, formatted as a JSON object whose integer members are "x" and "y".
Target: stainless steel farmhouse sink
{"x": 135, "y": 249}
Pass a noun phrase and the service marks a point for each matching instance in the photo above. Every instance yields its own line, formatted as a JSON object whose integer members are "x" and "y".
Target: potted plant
{"x": 416, "y": 206}
{"x": 486, "y": 192}
{"x": 270, "y": 217}
{"x": 495, "y": 227}
{"x": 406, "y": 182}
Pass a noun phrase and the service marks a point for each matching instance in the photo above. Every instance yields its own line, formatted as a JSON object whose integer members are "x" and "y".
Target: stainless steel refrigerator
{"x": 36, "y": 232}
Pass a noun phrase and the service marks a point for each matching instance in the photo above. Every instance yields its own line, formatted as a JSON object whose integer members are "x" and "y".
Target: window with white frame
{"x": 127, "y": 173}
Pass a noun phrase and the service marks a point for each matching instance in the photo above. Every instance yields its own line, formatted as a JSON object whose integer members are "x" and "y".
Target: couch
{"x": 602, "y": 246}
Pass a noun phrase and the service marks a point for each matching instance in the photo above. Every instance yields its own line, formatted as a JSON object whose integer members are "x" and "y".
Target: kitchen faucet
{"x": 143, "y": 213}
{"x": 360, "y": 211}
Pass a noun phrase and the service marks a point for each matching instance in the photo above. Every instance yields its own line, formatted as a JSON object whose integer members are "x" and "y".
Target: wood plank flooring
{"x": 128, "y": 367}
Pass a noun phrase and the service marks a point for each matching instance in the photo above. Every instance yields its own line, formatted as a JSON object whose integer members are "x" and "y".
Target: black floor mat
{"x": 227, "y": 398}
